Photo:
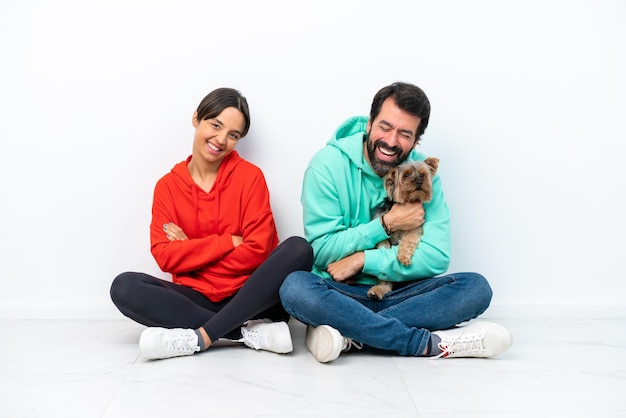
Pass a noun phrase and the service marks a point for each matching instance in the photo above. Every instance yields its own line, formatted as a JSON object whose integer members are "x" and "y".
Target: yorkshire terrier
{"x": 407, "y": 183}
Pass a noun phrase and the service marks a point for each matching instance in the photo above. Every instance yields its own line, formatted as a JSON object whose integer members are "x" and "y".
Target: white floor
{"x": 71, "y": 368}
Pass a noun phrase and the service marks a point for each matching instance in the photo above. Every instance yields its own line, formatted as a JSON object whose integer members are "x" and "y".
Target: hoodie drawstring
{"x": 196, "y": 207}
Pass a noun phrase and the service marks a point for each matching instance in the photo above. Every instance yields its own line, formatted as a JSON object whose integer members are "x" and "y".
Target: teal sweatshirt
{"x": 340, "y": 195}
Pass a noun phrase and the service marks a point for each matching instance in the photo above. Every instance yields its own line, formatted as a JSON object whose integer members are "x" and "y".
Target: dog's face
{"x": 411, "y": 182}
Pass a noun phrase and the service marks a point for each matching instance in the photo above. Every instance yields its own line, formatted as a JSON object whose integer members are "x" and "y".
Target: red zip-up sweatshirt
{"x": 237, "y": 204}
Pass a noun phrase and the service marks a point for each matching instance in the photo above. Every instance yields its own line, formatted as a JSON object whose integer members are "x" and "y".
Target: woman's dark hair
{"x": 218, "y": 100}
{"x": 409, "y": 98}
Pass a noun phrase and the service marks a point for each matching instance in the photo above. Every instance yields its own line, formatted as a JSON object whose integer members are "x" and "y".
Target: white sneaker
{"x": 263, "y": 334}
{"x": 159, "y": 343}
{"x": 479, "y": 339}
{"x": 326, "y": 343}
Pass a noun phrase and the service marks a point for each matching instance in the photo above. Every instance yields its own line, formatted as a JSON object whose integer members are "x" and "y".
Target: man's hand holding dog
{"x": 401, "y": 217}
{"x": 405, "y": 216}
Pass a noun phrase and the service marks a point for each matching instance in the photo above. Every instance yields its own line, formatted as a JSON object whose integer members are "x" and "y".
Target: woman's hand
{"x": 173, "y": 232}
{"x": 237, "y": 240}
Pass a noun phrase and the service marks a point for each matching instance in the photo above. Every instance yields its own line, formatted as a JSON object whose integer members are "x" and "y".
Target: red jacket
{"x": 238, "y": 204}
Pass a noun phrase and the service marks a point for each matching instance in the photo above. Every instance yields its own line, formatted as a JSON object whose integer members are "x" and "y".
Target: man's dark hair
{"x": 218, "y": 100}
{"x": 409, "y": 98}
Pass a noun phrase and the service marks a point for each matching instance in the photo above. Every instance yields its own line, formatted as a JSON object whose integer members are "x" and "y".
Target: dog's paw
{"x": 377, "y": 292}
{"x": 406, "y": 249}
{"x": 405, "y": 257}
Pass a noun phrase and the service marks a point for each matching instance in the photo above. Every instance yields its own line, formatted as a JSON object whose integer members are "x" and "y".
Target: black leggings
{"x": 159, "y": 303}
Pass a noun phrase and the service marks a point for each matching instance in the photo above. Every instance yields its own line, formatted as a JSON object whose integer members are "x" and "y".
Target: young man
{"x": 341, "y": 191}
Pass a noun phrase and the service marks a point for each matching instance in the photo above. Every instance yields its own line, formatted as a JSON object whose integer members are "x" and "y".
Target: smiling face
{"x": 391, "y": 136}
{"x": 216, "y": 137}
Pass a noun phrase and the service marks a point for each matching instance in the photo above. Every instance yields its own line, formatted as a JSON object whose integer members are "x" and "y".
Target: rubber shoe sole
{"x": 324, "y": 342}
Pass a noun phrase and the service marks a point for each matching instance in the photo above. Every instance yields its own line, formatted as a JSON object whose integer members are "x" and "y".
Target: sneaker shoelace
{"x": 256, "y": 338}
{"x": 461, "y": 345}
{"x": 181, "y": 344}
{"x": 349, "y": 343}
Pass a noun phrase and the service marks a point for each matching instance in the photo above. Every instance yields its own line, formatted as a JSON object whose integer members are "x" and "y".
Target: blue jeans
{"x": 401, "y": 322}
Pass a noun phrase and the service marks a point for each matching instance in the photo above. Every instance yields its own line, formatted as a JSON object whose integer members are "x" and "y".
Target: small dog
{"x": 406, "y": 183}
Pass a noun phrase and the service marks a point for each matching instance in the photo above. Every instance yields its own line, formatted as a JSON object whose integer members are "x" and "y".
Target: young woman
{"x": 212, "y": 228}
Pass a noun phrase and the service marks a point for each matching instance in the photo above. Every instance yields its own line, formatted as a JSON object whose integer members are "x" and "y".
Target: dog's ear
{"x": 389, "y": 181}
{"x": 390, "y": 177}
{"x": 433, "y": 163}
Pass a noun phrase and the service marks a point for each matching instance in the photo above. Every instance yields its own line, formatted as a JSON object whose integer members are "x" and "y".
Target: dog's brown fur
{"x": 406, "y": 183}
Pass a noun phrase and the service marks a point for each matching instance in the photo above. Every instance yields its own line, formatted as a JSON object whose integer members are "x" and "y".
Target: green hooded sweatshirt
{"x": 340, "y": 195}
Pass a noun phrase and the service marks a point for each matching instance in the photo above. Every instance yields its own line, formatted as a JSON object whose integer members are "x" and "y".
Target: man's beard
{"x": 379, "y": 166}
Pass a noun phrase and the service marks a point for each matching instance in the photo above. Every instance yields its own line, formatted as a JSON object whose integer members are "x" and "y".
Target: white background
{"x": 528, "y": 119}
